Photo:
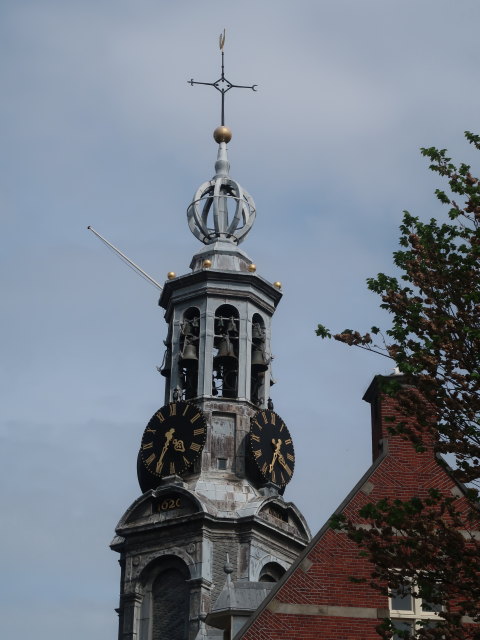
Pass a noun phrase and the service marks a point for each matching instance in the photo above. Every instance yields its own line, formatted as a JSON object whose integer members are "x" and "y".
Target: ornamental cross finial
{"x": 222, "y": 84}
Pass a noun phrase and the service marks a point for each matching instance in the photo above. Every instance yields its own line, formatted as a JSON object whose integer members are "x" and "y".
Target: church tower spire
{"x": 213, "y": 461}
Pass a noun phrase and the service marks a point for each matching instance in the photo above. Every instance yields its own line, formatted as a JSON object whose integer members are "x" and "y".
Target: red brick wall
{"x": 402, "y": 473}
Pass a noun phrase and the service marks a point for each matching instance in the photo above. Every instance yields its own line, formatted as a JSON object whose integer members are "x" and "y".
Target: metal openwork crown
{"x": 221, "y": 209}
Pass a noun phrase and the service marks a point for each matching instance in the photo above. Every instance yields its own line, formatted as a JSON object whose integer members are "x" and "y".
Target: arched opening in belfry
{"x": 225, "y": 362}
{"x": 258, "y": 360}
{"x": 188, "y": 352}
{"x": 271, "y": 572}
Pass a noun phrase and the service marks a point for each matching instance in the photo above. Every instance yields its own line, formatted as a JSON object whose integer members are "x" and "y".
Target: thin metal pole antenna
{"x": 222, "y": 84}
{"x": 127, "y": 260}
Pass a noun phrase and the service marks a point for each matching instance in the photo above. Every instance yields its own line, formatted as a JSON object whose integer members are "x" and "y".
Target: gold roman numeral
{"x": 255, "y": 437}
{"x": 257, "y": 453}
{"x": 149, "y": 430}
{"x": 289, "y": 441}
{"x": 147, "y": 445}
{"x": 282, "y": 427}
{"x": 283, "y": 479}
{"x": 274, "y": 478}
{"x": 287, "y": 469}
{"x": 272, "y": 418}
{"x": 195, "y": 418}
{"x": 290, "y": 457}
{"x": 173, "y": 409}
{"x": 160, "y": 416}
{"x": 185, "y": 461}
{"x": 264, "y": 467}
{"x": 185, "y": 410}
{"x": 195, "y": 446}
{"x": 264, "y": 416}
{"x": 150, "y": 459}
{"x": 258, "y": 425}
{"x": 197, "y": 432}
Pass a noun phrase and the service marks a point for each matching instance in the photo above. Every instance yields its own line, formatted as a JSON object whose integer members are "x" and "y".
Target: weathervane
{"x": 222, "y": 84}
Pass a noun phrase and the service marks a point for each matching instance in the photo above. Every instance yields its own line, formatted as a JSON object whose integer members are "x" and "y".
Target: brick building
{"x": 317, "y": 598}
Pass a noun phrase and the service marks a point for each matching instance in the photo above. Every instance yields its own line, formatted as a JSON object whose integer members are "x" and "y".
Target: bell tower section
{"x": 211, "y": 527}
{"x": 219, "y": 320}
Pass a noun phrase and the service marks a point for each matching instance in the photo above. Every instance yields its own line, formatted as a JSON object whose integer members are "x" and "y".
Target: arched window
{"x": 188, "y": 352}
{"x": 166, "y": 603}
{"x": 170, "y": 596}
{"x": 225, "y": 362}
{"x": 271, "y": 572}
{"x": 259, "y": 362}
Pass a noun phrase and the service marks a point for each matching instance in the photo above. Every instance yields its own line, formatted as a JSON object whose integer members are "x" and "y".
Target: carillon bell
{"x": 166, "y": 366}
{"x": 259, "y": 363}
{"x": 232, "y": 327}
{"x": 226, "y": 355}
{"x": 189, "y": 356}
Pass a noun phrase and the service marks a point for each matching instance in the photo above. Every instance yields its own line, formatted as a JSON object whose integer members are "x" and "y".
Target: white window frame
{"x": 413, "y": 615}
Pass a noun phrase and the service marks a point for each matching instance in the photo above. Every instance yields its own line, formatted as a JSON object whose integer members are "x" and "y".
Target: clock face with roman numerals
{"x": 172, "y": 440}
{"x": 272, "y": 447}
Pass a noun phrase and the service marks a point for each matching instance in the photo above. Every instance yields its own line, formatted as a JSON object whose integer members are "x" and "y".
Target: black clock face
{"x": 173, "y": 438}
{"x": 272, "y": 447}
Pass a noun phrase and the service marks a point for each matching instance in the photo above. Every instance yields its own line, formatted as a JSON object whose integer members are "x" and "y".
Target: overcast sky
{"x": 99, "y": 126}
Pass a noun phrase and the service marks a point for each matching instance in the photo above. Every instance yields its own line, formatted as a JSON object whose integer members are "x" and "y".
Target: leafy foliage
{"x": 434, "y": 339}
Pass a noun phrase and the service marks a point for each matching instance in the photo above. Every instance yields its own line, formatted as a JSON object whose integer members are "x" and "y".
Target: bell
{"x": 258, "y": 332}
{"x": 258, "y": 361}
{"x": 189, "y": 356}
{"x": 226, "y": 356}
{"x": 166, "y": 364}
{"x": 232, "y": 327}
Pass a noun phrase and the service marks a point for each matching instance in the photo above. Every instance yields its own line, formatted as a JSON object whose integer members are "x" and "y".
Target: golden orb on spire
{"x": 222, "y": 134}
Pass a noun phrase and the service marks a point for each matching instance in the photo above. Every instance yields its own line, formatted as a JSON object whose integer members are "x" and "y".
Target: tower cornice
{"x": 222, "y": 283}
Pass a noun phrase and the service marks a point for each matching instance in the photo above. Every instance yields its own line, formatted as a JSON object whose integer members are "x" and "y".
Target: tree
{"x": 434, "y": 340}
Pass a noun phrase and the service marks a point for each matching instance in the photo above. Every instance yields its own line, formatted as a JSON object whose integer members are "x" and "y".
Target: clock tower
{"x": 211, "y": 532}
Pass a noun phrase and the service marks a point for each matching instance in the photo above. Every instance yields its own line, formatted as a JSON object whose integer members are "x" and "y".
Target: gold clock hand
{"x": 168, "y": 439}
{"x": 284, "y": 464}
{"x": 276, "y": 453}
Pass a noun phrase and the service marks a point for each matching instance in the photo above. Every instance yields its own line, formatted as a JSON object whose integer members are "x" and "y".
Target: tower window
{"x": 221, "y": 463}
{"x": 259, "y": 361}
{"x": 271, "y": 572}
{"x": 188, "y": 352}
{"x": 225, "y": 362}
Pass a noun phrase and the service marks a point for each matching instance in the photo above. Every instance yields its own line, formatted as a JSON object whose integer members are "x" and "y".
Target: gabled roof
{"x": 302, "y": 560}
{"x": 386, "y": 466}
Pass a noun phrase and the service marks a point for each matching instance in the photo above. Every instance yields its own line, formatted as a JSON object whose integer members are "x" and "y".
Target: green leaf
{"x": 322, "y": 331}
